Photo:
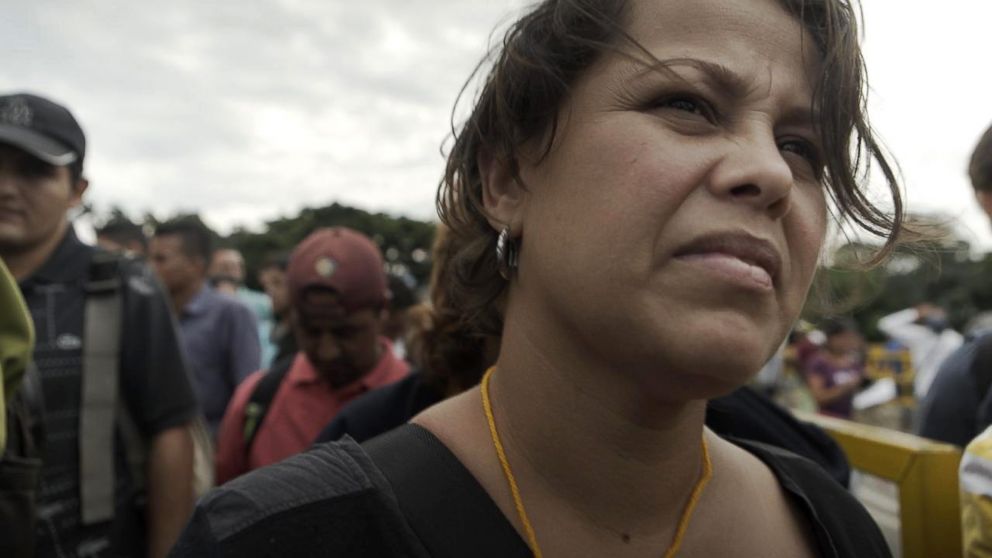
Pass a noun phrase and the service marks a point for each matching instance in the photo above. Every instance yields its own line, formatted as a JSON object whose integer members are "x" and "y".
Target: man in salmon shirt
{"x": 339, "y": 298}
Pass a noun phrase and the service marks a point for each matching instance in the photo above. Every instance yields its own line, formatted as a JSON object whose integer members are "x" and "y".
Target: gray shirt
{"x": 220, "y": 336}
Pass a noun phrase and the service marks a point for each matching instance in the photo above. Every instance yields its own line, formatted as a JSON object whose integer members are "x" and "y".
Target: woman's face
{"x": 675, "y": 227}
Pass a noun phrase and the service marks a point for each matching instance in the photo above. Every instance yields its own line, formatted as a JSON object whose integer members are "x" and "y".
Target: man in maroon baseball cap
{"x": 339, "y": 298}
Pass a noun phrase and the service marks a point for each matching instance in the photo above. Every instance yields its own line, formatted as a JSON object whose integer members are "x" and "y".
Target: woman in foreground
{"x": 641, "y": 193}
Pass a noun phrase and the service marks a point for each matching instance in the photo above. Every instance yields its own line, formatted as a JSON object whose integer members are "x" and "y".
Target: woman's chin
{"x": 703, "y": 374}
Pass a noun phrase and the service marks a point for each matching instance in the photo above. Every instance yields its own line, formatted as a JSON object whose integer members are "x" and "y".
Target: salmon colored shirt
{"x": 301, "y": 408}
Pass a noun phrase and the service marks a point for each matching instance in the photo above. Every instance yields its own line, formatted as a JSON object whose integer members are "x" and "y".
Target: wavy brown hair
{"x": 532, "y": 72}
{"x": 451, "y": 355}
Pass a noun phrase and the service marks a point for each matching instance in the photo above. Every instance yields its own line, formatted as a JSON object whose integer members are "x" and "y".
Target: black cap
{"x": 42, "y": 128}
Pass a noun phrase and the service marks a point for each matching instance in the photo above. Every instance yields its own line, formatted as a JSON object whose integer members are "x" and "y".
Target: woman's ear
{"x": 503, "y": 196}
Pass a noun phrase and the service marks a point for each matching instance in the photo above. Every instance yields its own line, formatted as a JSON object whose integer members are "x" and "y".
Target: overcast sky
{"x": 245, "y": 111}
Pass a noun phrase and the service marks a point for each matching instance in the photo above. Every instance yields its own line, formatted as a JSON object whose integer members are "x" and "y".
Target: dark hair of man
{"x": 838, "y": 325}
{"x": 123, "y": 232}
{"x": 197, "y": 242}
{"x": 276, "y": 260}
{"x": 75, "y": 172}
{"x": 980, "y": 166}
{"x": 532, "y": 73}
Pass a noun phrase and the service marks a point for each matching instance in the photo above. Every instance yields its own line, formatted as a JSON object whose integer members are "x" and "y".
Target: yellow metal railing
{"x": 884, "y": 362}
{"x": 925, "y": 472}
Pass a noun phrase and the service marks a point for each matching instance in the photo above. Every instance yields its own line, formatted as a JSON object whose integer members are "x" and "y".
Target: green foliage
{"x": 405, "y": 243}
{"x": 941, "y": 273}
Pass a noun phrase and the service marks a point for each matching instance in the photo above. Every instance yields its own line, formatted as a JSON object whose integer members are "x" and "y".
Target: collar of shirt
{"x": 303, "y": 373}
{"x": 199, "y": 303}
{"x": 68, "y": 263}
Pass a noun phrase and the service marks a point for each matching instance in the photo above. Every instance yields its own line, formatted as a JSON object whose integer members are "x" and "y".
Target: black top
{"x": 336, "y": 500}
{"x": 382, "y": 409}
{"x": 744, "y": 413}
{"x": 958, "y": 405}
{"x": 154, "y": 386}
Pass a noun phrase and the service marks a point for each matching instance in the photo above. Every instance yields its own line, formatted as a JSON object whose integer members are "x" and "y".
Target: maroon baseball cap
{"x": 343, "y": 260}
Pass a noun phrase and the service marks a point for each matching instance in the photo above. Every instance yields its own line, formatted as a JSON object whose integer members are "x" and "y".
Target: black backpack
{"x": 261, "y": 398}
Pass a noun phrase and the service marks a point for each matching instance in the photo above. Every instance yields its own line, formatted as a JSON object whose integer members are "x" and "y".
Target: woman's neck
{"x": 582, "y": 438}
{"x": 604, "y": 462}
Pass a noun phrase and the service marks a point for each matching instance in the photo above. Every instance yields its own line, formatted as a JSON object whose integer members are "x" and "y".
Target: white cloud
{"x": 932, "y": 99}
{"x": 250, "y": 110}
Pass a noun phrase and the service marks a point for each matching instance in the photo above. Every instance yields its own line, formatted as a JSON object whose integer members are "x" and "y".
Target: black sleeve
{"x": 841, "y": 526}
{"x": 197, "y": 538}
{"x": 381, "y": 410}
{"x": 334, "y": 430}
{"x": 156, "y": 384}
{"x": 329, "y": 501}
{"x": 949, "y": 409}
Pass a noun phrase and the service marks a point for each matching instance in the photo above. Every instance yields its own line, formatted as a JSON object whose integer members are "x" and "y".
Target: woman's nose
{"x": 753, "y": 171}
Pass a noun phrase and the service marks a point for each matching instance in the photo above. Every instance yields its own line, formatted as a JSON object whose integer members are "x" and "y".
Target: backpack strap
{"x": 100, "y": 385}
{"x": 443, "y": 503}
{"x": 261, "y": 398}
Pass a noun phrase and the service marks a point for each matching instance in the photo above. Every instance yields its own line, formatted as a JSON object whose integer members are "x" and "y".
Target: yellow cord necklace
{"x": 683, "y": 525}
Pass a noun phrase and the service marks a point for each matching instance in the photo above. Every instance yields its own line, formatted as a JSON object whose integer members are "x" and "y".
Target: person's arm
{"x": 244, "y": 347}
{"x": 159, "y": 396}
{"x": 903, "y": 327}
{"x": 170, "y": 488}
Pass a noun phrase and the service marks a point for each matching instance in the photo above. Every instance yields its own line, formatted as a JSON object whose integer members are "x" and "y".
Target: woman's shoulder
{"x": 840, "y": 523}
{"x": 320, "y": 502}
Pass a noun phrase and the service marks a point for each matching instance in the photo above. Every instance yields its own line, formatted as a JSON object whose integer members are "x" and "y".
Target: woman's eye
{"x": 806, "y": 150}
{"x": 686, "y": 104}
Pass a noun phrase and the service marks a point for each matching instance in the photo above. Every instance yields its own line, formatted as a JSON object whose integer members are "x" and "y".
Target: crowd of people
{"x": 631, "y": 219}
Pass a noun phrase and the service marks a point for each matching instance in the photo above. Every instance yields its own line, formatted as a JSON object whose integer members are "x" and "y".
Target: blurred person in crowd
{"x": 123, "y": 236}
{"x": 640, "y": 196}
{"x": 958, "y": 405}
{"x": 219, "y": 333}
{"x": 96, "y": 398}
{"x": 976, "y": 496}
{"x": 930, "y": 339}
{"x": 227, "y": 275}
{"x": 836, "y": 372}
{"x": 272, "y": 277}
{"x": 401, "y": 299}
{"x": 449, "y": 359}
{"x": 802, "y": 344}
{"x": 338, "y": 301}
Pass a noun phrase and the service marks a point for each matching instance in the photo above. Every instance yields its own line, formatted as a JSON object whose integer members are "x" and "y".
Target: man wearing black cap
{"x": 112, "y": 378}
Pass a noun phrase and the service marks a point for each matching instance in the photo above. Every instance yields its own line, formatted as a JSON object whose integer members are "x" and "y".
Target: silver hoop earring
{"x": 506, "y": 254}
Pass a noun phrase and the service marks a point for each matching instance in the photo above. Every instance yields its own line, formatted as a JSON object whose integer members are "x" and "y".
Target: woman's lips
{"x": 8, "y": 214}
{"x": 732, "y": 269}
